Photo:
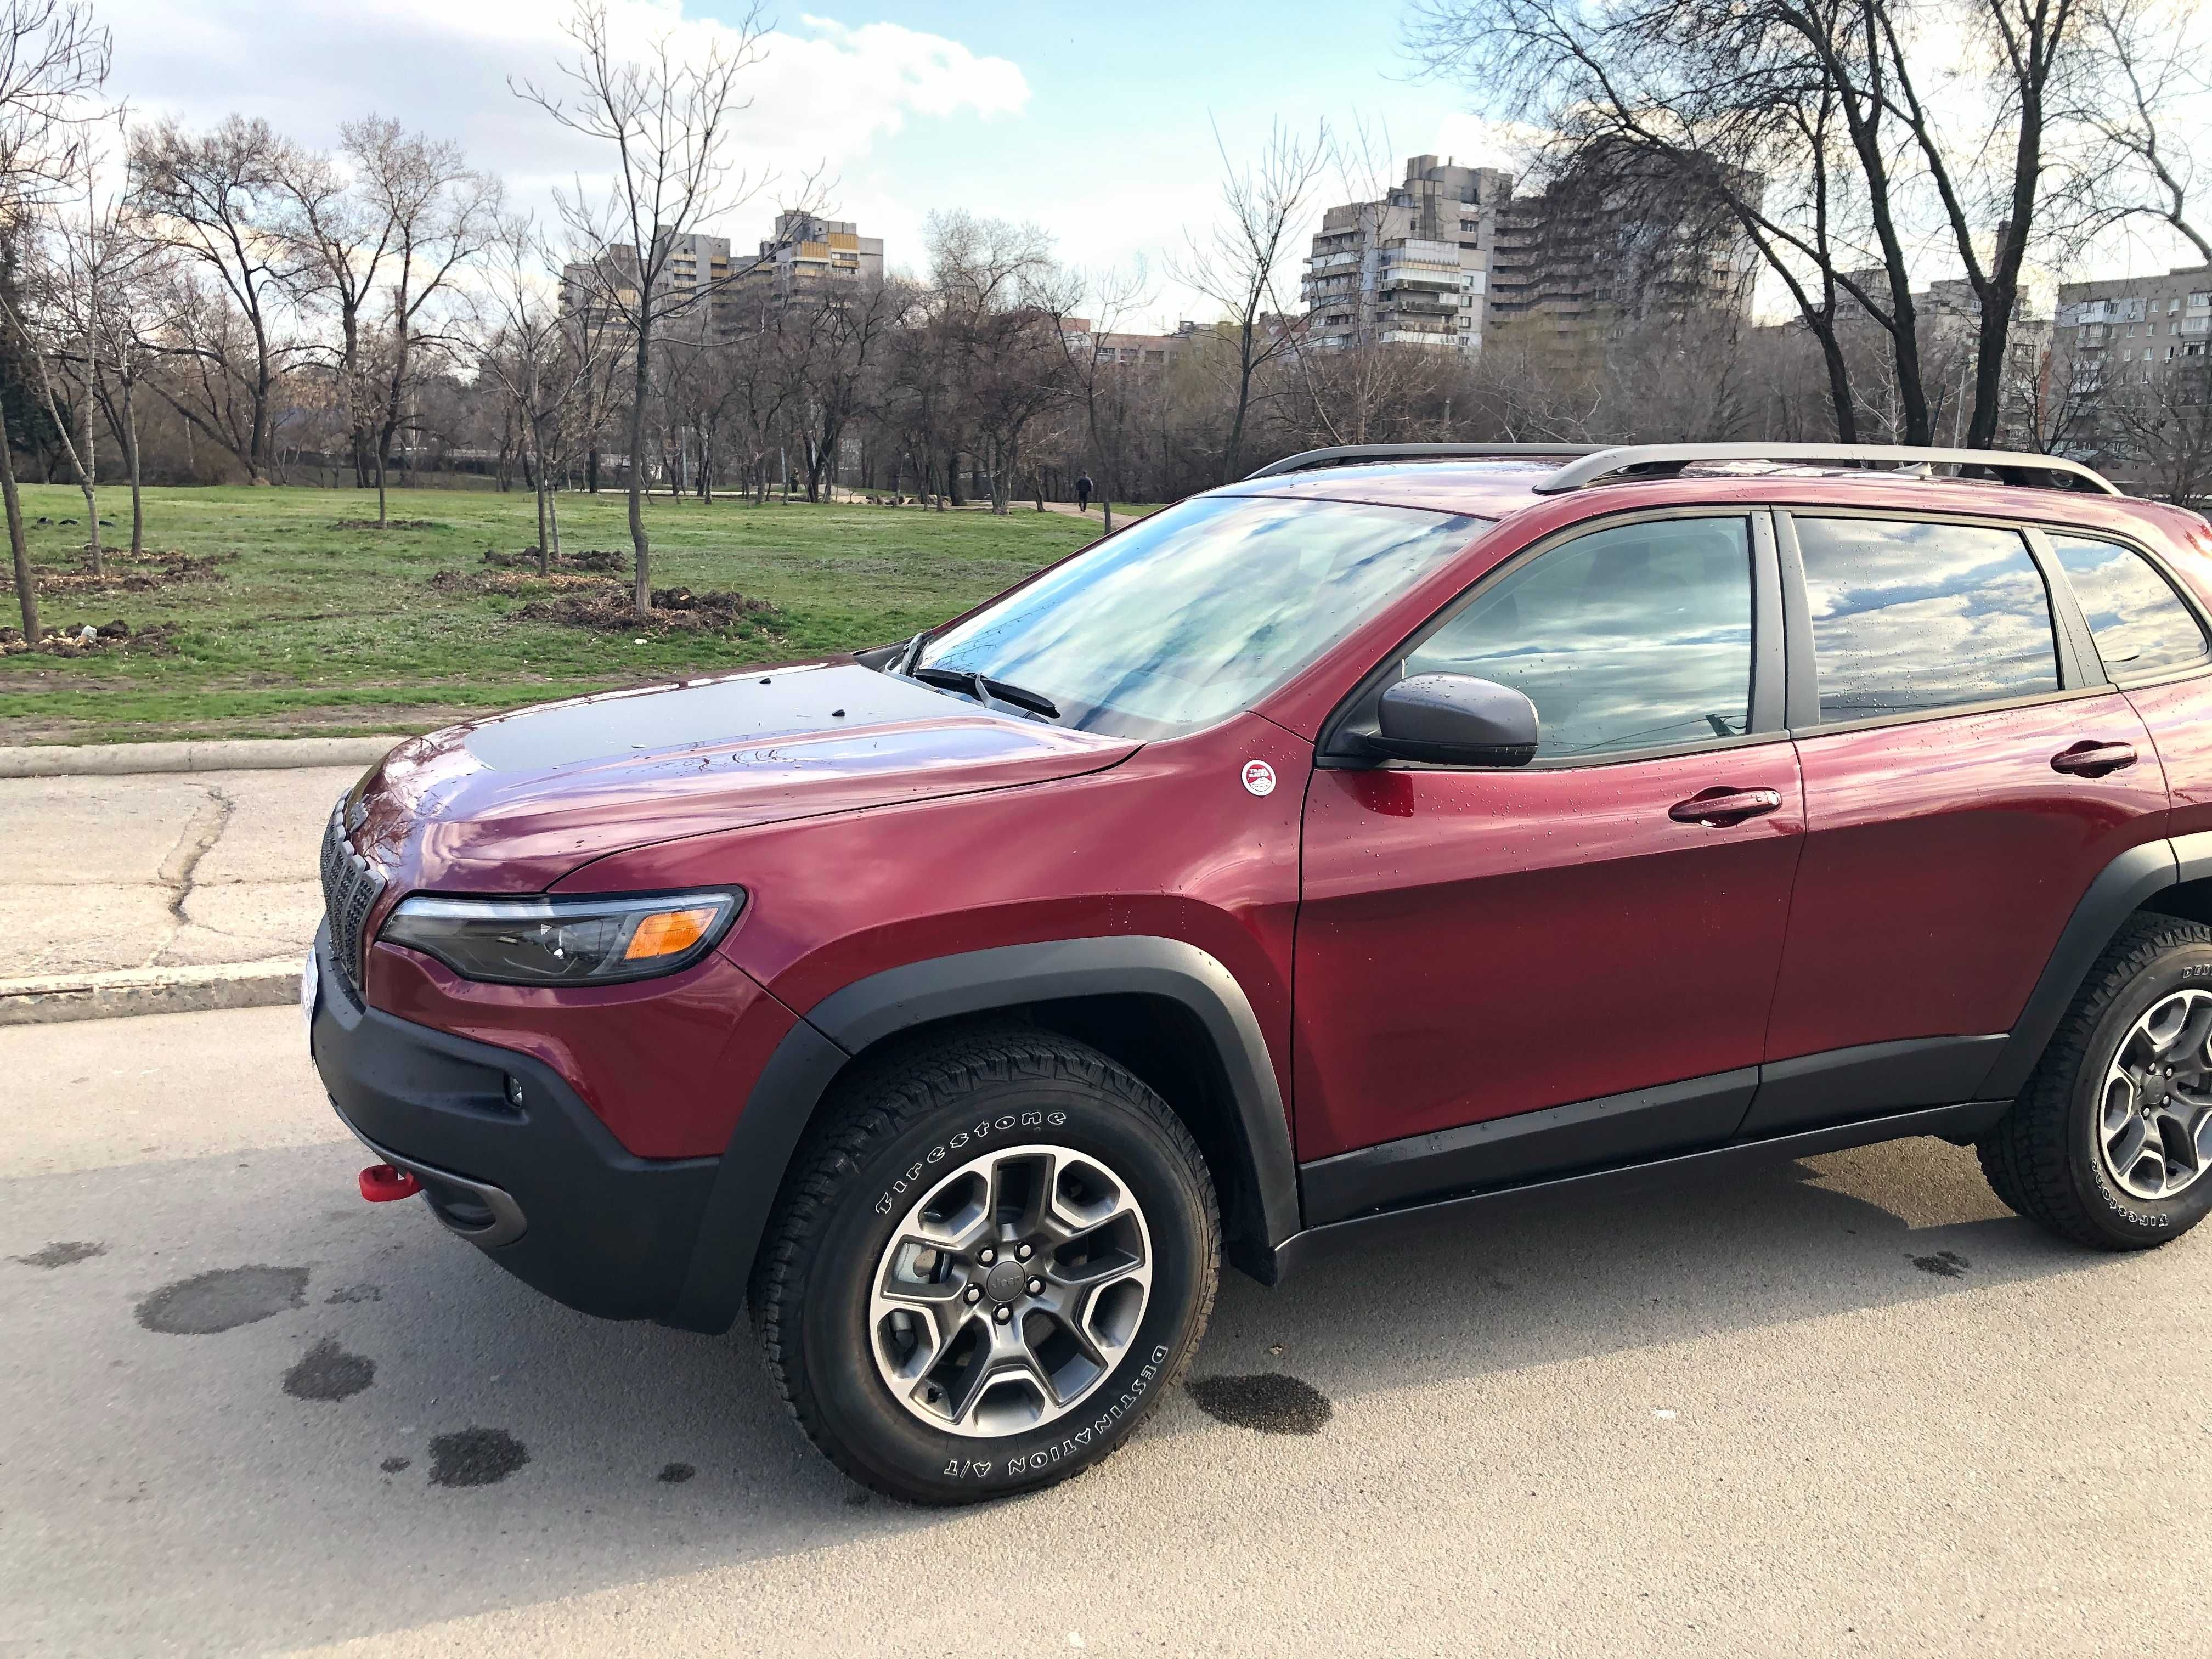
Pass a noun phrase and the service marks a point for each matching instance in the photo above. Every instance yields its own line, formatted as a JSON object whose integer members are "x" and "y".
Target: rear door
{"x": 2154, "y": 644}
{"x": 1505, "y": 971}
{"x": 1968, "y": 773}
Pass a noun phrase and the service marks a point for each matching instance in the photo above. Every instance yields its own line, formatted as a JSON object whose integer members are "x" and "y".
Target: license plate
{"x": 311, "y": 982}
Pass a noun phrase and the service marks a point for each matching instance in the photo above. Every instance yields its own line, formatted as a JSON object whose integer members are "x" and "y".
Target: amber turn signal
{"x": 666, "y": 933}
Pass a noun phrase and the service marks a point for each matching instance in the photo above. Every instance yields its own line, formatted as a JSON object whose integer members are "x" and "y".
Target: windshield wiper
{"x": 984, "y": 688}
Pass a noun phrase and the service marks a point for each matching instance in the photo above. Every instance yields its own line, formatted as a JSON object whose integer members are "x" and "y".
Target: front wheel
{"x": 987, "y": 1266}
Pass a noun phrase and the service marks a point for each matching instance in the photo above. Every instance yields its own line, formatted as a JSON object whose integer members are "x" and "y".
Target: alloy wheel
{"x": 1008, "y": 1293}
{"x": 2154, "y": 1121}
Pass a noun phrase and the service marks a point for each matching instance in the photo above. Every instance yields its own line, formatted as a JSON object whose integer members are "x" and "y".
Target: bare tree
{"x": 436, "y": 214}
{"x": 2161, "y": 421}
{"x": 343, "y": 246}
{"x": 2147, "y": 97}
{"x": 1237, "y": 264}
{"x": 667, "y": 120}
{"x": 218, "y": 199}
{"x": 51, "y": 56}
{"x": 538, "y": 362}
{"x": 1102, "y": 387}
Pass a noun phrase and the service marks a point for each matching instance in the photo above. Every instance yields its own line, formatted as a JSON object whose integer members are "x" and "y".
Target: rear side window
{"x": 2141, "y": 625}
{"x": 1634, "y": 637}
{"x": 1910, "y": 617}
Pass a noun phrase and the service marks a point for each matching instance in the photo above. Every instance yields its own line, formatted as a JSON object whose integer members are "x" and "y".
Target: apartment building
{"x": 809, "y": 255}
{"x": 2110, "y": 333}
{"x": 1140, "y": 351}
{"x": 1412, "y": 269}
{"x": 2130, "y": 376}
{"x": 1620, "y": 239}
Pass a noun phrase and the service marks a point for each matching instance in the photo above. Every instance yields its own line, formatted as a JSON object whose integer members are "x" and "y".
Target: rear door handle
{"x": 1724, "y": 806}
{"x": 2090, "y": 759}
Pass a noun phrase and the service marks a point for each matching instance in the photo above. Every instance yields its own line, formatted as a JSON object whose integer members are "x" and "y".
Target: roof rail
{"x": 1346, "y": 454}
{"x": 1667, "y": 460}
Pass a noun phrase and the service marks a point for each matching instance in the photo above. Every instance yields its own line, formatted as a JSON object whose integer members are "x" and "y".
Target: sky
{"x": 1098, "y": 123}
{"x": 1095, "y": 122}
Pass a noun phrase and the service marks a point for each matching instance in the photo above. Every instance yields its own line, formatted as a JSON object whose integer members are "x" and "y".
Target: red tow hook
{"x": 382, "y": 1184}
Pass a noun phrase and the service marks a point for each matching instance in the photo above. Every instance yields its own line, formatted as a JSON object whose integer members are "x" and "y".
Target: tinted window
{"x": 1912, "y": 617}
{"x": 1195, "y": 613}
{"x": 2140, "y": 624}
{"x": 1630, "y": 638}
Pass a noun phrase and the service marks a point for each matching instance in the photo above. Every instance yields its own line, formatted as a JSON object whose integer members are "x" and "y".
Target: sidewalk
{"x": 158, "y": 891}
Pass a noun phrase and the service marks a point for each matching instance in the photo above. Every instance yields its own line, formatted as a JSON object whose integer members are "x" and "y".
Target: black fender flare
{"x": 2122, "y": 888}
{"x": 807, "y": 1061}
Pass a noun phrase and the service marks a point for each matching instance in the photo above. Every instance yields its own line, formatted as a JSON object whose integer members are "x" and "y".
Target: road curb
{"x": 231, "y": 755}
{"x": 59, "y": 997}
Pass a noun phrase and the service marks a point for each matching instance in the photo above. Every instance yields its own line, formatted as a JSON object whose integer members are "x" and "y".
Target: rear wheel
{"x": 2111, "y": 1143}
{"x": 987, "y": 1266}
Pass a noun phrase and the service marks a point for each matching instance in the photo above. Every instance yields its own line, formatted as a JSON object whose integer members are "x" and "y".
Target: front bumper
{"x": 542, "y": 1187}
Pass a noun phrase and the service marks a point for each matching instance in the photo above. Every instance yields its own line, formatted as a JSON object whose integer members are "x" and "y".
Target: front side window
{"x": 1910, "y": 617}
{"x": 1200, "y": 611}
{"x": 2139, "y": 622}
{"x": 1633, "y": 637}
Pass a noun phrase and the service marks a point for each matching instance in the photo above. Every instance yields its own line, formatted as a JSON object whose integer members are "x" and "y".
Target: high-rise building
{"x": 809, "y": 254}
{"x": 2131, "y": 370}
{"x": 1412, "y": 269}
{"x": 1622, "y": 237}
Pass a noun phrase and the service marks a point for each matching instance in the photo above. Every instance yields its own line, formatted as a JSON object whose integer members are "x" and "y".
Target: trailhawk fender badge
{"x": 1259, "y": 777}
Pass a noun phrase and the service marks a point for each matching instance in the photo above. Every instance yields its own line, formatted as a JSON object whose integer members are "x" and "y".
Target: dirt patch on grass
{"x": 139, "y": 573}
{"x": 113, "y": 638}
{"x": 608, "y": 608}
{"x": 592, "y": 558}
{"x": 515, "y": 584}
{"x": 389, "y": 524}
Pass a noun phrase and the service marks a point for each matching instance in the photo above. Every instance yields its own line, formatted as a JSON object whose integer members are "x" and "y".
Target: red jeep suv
{"x": 1393, "y": 830}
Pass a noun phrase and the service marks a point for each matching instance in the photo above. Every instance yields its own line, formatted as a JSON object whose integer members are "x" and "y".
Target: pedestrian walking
{"x": 1083, "y": 493}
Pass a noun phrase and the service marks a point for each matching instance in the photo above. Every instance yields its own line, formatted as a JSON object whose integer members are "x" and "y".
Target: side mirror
{"x": 1455, "y": 720}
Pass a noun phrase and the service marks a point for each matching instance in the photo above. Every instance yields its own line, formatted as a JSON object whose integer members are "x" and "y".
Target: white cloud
{"x": 821, "y": 92}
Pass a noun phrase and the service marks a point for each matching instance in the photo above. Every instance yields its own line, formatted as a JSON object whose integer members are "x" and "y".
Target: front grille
{"x": 351, "y": 887}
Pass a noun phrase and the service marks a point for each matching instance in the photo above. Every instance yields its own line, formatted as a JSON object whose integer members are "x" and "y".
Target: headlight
{"x": 564, "y": 941}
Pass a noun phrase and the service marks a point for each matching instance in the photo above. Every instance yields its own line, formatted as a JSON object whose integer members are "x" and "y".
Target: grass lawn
{"x": 309, "y": 627}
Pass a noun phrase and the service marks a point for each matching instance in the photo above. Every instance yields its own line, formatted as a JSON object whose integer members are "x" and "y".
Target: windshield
{"x": 1200, "y": 611}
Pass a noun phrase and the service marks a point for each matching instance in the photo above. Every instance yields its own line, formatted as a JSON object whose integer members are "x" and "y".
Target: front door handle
{"x": 1725, "y": 806}
{"x": 2090, "y": 759}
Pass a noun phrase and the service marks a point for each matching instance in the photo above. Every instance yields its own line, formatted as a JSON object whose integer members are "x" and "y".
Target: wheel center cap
{"x": 1003, "y": 1284}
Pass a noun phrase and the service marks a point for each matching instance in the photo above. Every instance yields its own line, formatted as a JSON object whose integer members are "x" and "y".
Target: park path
{"x": 150, "y": 870}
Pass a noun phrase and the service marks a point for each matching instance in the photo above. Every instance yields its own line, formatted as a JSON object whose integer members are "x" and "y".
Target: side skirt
{"x": 1956, "y": 1123}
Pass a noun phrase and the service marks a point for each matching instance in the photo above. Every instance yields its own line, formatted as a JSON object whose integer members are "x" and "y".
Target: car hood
{"x": 512, "y": 803}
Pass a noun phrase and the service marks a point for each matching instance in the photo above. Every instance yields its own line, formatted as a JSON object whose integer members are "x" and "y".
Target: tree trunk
{"x": 27, "y": 585}
{"x": 130, "y": 459}
{"x": 536, "y": 462}
{"x": 641, "y": 387}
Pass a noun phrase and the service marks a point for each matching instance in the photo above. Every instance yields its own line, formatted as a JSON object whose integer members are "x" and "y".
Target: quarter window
{"x": 2141, "y": 625}
{"x": 1634, "y": 637}
{"x": 1910, "y": 617}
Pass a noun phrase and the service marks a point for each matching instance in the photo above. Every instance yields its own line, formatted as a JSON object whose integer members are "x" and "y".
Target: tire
{"x": 896, "y": 1162}
{"x": 2048, "y": 1159}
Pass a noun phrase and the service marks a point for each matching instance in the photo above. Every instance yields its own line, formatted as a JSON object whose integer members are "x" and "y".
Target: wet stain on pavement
{"x": 326, "y": 1371}
{"x": 1269, "y": 1403}
{"x": 346, "y": 1293}
{"x": 475, "y": 1457}
{"x": 675, "y": 1474}
{"x": 1943, "y": 1264}
{"x": 63, "y": 1253}
{"x": 223, "y": 1300}
{"x": 394, "y": 1465}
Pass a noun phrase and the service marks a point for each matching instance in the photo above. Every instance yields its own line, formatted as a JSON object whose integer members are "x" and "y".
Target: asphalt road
{"x": 1845, "y": 1405}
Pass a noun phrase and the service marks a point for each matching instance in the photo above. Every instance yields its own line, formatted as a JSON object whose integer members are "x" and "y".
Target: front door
{"x": 1502, "y": 972}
